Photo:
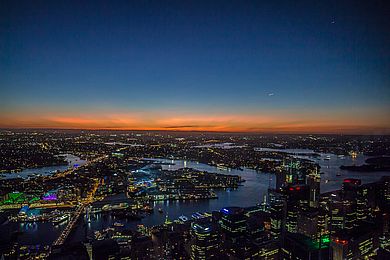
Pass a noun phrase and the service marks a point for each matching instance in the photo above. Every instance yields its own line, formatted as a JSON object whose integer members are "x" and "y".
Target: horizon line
{"x": 193, "y": 131}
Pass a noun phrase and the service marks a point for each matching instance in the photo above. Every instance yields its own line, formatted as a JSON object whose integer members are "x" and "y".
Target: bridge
{"x": 76, "y": 215}
{"x": 69, "y": 171}
{"x": 79, "y": 209}
{"x": 65, "y": 233}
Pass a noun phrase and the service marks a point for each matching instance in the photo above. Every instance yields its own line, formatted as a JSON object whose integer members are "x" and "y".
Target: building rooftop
{"x": 232, "y": 210}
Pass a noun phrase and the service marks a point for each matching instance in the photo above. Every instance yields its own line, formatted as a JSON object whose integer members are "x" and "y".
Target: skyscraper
{"x": 362, "y": 209}
{"x": 297, "y": 199}
{"x": 313, "y": 179}
{"x": 233, "y": 223}
{"x": 277, "y": 209}
{"x": 205, "y": 241}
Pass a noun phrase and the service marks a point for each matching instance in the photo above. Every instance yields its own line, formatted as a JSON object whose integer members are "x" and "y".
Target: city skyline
{"x": 153, "y": 195}
{"x": 196, "y": 129}
{"x": 196, "y": 66}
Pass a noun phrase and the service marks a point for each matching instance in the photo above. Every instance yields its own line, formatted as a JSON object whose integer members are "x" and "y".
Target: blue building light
{"x": 225, "y": 210}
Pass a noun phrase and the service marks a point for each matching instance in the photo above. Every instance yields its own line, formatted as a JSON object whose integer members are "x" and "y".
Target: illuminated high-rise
{"x": 277, "y": 209}
{"x": 233, "y": 223}
{"x": 297, "y": 199}
{"x": 313, "y": 179}
{"x": 205, "y": 241}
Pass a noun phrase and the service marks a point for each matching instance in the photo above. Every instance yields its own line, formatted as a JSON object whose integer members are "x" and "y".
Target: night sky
{"x": 281, "y": 66}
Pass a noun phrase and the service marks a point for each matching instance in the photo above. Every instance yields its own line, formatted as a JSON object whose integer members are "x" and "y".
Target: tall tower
{"x": 362, "y": 208}
{"x": 233, "y": 223}
{"x": 297, "y": 199}
{"x": 205, "y": 242}
{"x": 313, "y": 179}
{"x": 277, "y": 209}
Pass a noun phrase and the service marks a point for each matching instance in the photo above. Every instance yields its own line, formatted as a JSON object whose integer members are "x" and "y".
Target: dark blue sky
{"x": 196, "y": 57}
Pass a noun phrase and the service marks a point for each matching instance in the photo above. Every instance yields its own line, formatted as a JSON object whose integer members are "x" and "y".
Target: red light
{"x": 354, "y": 181}
{"x": 298, "y": 188}
{"x": 341, "y": 241}
{"x": 291, "y": 188}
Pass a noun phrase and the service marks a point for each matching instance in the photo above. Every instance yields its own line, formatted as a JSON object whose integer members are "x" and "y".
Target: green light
{"x": 321, "y": 243}
{"x": 15, "y": 197}
{"x": 34, "y": 199}
{"x": 325, "y": 239}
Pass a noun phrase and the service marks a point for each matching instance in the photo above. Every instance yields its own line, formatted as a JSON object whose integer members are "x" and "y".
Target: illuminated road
{"x": 76, "y": 215}
{"x": 80, "y": 208}
{"x": 65, "y": 233}
{"x": 70, "y": 171}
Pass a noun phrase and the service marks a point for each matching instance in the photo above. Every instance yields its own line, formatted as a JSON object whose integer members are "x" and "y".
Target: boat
{"x": 120, "y": 206}
{"x": 60, "y": 219}
{"x": 327, "y": 158}
{"x": 160, "y": 210}
{"x": 119, "y": 224}
{"x": 197, "y": 215}
{"x": 106, "y": 207}
{"x": 207, "y": 214}
{"x": 183, "y": 218}
{"x": 148, "y": 209}
{"x": 222, "y": 167}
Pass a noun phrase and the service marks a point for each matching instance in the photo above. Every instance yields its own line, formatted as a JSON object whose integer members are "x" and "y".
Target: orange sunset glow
{"x": 283, "y": 122}
{"x": 187, "y": 129}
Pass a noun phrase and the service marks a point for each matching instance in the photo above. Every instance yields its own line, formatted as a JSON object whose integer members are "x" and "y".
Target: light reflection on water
{"x": 251, "y": 193}
{"x": 45, "y": 171}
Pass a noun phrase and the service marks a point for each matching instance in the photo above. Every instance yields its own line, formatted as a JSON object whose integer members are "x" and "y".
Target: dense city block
{"x": 135, "y": 195}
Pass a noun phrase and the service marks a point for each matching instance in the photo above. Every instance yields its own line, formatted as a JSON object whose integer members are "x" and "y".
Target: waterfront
{"x": 330, "y": 167}
{"x": 31, "y": 233}
{"x": 250, "y": 193}
{"x": 72, "y": 160}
